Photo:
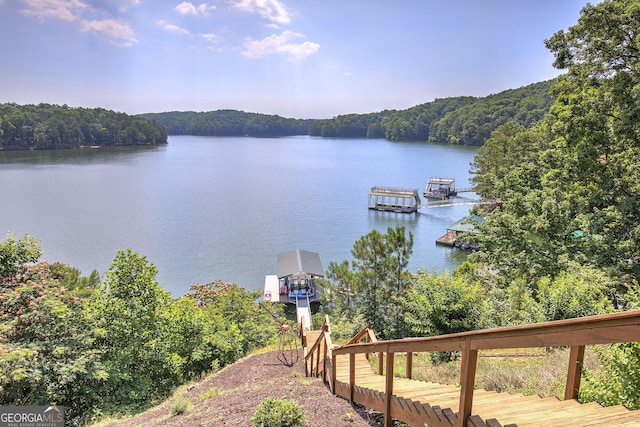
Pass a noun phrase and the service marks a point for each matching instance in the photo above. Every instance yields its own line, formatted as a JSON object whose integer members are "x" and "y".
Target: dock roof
{"x": 299, "y": 261}
{"x": 469, "y": 224}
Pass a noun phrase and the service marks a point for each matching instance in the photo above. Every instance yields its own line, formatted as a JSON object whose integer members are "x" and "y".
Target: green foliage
{"x": 574, "y": 195}
{"x": 234, "y": 306}
{"x": 443, "y": 304}
{"x": 473, "y": 122}
{"x": 47, "y": 352}
{"x": 212, "y": 392}
{"x": 116, "y": 346}
{"x": 129, "y": 314}
{"x": 574, "y": 293}
{"x": 351, "y": 126}
{"x": 228, "y": 123}
{"x": 278, "y": 413}
{"x": 375, "y": 284}
{"x": 46, "y": 126}
{"x": 179, "y": 406}
{"x": 459, "y": 120}
{"x": 618, "y": 381}
{"x": 14, "y": 253}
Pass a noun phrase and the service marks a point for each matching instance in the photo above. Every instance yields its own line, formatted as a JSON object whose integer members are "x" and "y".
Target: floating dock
{"x": 394, "y": 199}
{"x": 443, "y": 188}
{"x": 440, "y": 188}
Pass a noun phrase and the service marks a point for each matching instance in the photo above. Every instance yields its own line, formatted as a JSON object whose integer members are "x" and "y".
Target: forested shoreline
{"x": 47, "y": 127}
{"x": 459, "y": 120}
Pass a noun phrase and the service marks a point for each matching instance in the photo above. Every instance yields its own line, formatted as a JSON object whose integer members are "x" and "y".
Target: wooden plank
{"x": 602, "y": 329}
{"x": 576, "y": 357}
{"x": 388, "y": 390}
{"x": 467, "y": 382}
{"x": 352, "y": 374}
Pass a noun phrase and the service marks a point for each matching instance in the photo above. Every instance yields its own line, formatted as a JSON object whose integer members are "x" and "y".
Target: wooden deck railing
{"x": 315, "y": 361}
{"x": 575, "y": 333}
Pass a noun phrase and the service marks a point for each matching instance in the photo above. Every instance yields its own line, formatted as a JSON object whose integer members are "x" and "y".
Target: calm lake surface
{"x": 206, "y": 208}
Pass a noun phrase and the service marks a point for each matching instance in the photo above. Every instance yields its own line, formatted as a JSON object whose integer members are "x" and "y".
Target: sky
{"x": 293, "y": 58}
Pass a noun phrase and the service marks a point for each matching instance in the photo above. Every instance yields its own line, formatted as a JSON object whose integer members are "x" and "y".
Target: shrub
{"x": 179, "y": 406}
{"x": 278, "y": 413}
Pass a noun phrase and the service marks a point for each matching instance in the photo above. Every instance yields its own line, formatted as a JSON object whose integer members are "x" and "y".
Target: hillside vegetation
{"x": 462, "y": 120}
{"x": 46, "y": 126}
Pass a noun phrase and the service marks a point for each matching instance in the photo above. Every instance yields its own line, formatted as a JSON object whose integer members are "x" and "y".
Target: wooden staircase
{"x": 349, "y": 374}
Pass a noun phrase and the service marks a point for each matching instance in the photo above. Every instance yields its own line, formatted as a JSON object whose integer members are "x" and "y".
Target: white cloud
{"x": 112, "y": 28}
{"x": 188, "y": 8}
{"x": 173, "y": 28}
{"x": 65, "y": 10}
{"x": 272, "y": 10}
{"x": 280, "y": 45}
{"x": 213, "y": 38}
{"x": 80, "y": 13}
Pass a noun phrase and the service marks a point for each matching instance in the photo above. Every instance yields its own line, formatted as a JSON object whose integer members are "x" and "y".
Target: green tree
{"x": 596, "y": 118}
{"x": 618, "y": 380}
{"x": 444, "y": 304}
{"x": 130, "y": 316}
{"x": 14, "y": 253}
{"x": 235, "y": 323}
{"x": 47, "y": 350}
{"x": 577, "y": 292}
{"x": 376, "y": 283}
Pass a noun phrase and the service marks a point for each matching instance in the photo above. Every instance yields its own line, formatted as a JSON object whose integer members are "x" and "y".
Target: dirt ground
{"x": 237, "y": 390}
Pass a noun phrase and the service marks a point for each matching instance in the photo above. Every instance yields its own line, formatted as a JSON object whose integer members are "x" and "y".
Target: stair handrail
{"x": 366, "y": 332}
{"x": 324, "y": 343}
{"x": 620, "y": 327}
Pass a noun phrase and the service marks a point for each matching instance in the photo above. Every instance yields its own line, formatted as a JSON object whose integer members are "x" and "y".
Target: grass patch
{"x": 527, "y": 371}
{"x": 179, "y": 406}
{"x": 212, "y": 392}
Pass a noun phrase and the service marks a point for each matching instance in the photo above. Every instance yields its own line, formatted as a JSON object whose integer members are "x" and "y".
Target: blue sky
{"x": 294, "y": 58}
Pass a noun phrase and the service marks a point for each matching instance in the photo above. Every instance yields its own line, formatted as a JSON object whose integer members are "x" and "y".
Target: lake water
{"x": 206, "y": 208}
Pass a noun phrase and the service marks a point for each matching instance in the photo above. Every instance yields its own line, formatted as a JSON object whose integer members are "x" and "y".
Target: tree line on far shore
{"x": 46, "y": 127}
{"x": 460, "y": 120}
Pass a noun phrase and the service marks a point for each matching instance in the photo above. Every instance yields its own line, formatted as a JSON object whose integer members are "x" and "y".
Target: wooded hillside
{"x": 460, "y": 120}
{"x": 46, "y": 126}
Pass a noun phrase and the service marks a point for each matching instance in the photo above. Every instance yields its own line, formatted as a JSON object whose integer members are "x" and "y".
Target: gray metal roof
{"x": 299, "y": 261}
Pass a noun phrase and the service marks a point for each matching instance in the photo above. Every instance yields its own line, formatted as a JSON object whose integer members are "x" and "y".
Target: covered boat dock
{"x": 296, "y": 277}
{"x": 394, "y": 199}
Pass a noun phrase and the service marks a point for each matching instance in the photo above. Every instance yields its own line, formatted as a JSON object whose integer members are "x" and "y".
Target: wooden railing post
{"x": 334, "y": 372}
{"x": 318, "y": 356}
{"x": 409, "y": 368}
{"x": 467, "y": 382}
{"x": 388, "y": 390}
{"x": 380, "y": 363}
{"x": 352, "y": 374}
{"x": 576, "y": 358}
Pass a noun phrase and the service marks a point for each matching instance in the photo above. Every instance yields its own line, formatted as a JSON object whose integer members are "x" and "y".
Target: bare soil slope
{"x": 241, "y": 387}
